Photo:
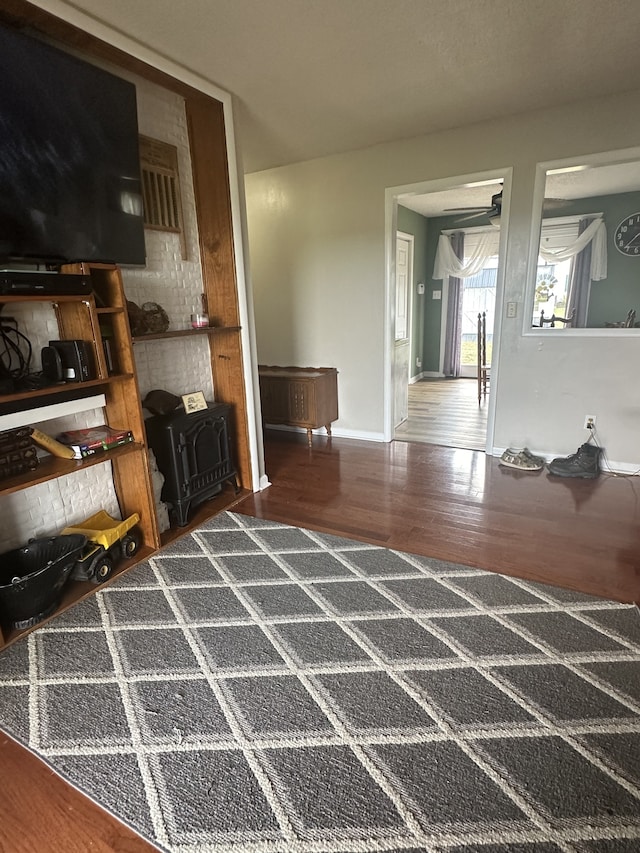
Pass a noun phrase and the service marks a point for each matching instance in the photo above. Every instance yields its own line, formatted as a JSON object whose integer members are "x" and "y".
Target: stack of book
{"x": 18, "y": 452}
{"x": 92, "y": 440}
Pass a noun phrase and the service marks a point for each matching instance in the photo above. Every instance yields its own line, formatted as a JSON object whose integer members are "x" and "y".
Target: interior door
{"x": 402, "y": 342}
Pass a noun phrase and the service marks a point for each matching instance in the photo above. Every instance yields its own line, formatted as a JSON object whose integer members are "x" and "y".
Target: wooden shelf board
{"x": 185, "y": 333}
{"x": 62, "y": 388}
{"x": 47, "y": 297}
{"x": 75, "y": 591}
{"x": 206, "y": 510}
{"x": 52, "y": 467}
{"x": 108, "y": 310}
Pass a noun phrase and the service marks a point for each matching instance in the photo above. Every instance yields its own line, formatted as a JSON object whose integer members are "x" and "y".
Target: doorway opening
{"x": 478, "y": 297}
{"x": 442, "y": 405}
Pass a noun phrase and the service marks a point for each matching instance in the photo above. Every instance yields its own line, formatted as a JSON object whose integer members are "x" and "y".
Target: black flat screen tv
{"x": 69, "y": 164}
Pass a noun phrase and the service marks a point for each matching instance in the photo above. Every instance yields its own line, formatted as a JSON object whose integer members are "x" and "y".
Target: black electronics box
{"x": 68, "y": 361}
{"x": 33, "y": 283}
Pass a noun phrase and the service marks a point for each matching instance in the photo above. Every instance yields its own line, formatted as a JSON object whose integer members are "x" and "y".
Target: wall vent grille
{"x": 161, "y": 188}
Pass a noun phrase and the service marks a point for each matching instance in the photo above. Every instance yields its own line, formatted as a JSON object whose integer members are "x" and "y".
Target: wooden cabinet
{"x": 299, "y": 396}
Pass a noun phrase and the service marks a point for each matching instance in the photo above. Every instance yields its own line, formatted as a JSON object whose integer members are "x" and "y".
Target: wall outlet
{"x": 590, "y": 422}
{"x": 418, "y": 362}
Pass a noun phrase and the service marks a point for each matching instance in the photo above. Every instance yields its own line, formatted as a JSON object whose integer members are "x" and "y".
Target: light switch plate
{"x": 512, "y": 309}
{"x": 437, "y": 294}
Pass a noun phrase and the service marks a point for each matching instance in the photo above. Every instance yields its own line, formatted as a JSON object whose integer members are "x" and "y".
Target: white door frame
{"x": 410, "y": 238}
{"x": 402, "y": 346}
{"x": 391, "y": 220}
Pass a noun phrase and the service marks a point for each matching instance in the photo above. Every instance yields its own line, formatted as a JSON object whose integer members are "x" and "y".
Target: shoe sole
{"x": 584, "y": 476}
{"x": 520, "y": 467}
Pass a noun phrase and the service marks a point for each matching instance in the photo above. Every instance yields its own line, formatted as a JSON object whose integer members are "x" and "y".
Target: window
{"x": 553, "y": 279}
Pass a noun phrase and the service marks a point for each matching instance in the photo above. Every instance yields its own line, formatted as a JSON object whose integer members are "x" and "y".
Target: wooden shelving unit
{"x": 80, "y": 317}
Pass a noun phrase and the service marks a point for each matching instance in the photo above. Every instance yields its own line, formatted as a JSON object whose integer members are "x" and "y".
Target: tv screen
{"x": 69, "y": 164}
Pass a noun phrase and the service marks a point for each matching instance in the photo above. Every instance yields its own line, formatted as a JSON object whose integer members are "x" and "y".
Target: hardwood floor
{"x": 461, "y": 506}
{"x": 446, "y": 412}
{"x": 452, "y": 504}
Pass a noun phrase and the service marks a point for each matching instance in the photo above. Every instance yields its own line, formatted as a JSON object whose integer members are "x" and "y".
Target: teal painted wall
{"x": 414, "y": 223}
{"x": 613, "y": 297}
{"x": 610, "y": 300}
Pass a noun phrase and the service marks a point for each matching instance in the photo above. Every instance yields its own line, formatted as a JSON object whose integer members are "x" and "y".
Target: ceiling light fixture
{"x": 566, "y": 169}
{"x": 486, "y": 183}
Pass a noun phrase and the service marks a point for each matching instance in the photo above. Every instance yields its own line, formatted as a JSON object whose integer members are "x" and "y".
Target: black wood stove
{"x": 193, "y": 453}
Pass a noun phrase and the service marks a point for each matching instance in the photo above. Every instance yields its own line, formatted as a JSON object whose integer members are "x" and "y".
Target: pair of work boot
{"x": 584, "y": 463}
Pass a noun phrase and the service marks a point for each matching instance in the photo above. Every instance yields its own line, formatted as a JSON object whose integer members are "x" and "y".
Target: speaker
{"x": 68, "y": 361}
{"x": 51, "y": 364}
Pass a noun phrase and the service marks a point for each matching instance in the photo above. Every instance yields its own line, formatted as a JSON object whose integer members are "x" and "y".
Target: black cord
{"x": 610, "y": 472}
{"x": 13, "y": 361}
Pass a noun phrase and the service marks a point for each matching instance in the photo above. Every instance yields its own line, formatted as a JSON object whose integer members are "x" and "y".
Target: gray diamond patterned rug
{"x": 262, "y": 688}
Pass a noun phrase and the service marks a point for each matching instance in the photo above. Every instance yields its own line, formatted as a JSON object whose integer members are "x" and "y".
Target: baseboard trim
{"x": 356, "y": 435}
{"x": 264, "y": 483}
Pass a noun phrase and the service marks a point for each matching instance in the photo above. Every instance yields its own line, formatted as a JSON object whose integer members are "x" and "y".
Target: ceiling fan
{"x": 494, "y": 210}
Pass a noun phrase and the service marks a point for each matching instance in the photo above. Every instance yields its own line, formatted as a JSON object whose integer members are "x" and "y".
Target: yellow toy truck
{"x": 107, "y": 540}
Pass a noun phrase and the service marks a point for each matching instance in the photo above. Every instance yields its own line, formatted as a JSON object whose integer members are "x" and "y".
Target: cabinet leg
{"x": 309, "y": 437}
{"x": 328, "y": 429}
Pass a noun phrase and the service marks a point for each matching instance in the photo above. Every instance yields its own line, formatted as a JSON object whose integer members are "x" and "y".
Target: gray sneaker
{"x": 584, "y": 463}
{"x": 539, "y": 459}
{"x": 521, "y": 459}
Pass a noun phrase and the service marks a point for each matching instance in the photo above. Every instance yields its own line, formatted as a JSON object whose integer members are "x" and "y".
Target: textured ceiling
{"x": 317, "y": 77}
{"x": 597, "y": 180}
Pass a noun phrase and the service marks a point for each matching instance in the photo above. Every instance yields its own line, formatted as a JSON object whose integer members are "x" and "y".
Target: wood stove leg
{"x": 233, "y": 479}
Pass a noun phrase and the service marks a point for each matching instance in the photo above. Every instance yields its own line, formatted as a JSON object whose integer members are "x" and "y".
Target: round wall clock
{"x": 627, "y": 236}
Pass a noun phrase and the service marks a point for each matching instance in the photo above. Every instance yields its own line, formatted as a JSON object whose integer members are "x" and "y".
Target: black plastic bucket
{"x": 32, "y": 578}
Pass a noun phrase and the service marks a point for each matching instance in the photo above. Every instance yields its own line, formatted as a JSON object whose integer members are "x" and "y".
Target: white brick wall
{"x": 167, "y": 279}
{"x": 176, "y": 365}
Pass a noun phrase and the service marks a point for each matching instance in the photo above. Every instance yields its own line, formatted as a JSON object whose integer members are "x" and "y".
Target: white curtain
{"x": 453, "y": 334}
{"x": 596, "y": 234}
{"x": 447, "y": 262}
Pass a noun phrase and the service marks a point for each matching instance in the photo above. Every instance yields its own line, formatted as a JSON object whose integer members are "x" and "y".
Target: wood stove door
{"x": 205, "y": 454}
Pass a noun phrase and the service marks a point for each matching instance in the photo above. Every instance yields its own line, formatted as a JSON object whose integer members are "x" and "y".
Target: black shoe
{"x": 584, "y": 463}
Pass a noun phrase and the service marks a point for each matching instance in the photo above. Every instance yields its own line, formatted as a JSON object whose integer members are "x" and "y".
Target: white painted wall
{"x": 317, "y": 242}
